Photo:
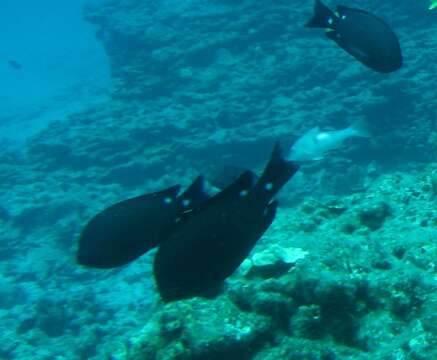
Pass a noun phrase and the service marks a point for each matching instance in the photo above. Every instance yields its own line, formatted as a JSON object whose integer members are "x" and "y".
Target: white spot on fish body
{"x": 243, "y": 193}
{"x": 330, "y": 21}
{"x": 168, "y": 200}
{"x": 268, "y": 186}
{"x": 186, "y": 202}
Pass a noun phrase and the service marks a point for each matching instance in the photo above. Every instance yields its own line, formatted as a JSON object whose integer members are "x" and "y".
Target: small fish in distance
{"x": 126, "y": 230}
{"x": 315, "y": 144}
{"x": 432, "y": 5}
{"x": 215, "y": 238}
{"x": 363, "y": 35}
{"x": 15, "y": 64}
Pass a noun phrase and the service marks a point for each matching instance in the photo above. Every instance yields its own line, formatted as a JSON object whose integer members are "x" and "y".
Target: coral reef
{"x": 348, "y": 268}
{"x": 342, "y": 295}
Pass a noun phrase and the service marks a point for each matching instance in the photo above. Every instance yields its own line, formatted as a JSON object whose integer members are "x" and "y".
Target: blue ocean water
{"x": 105, "y": 100}
{"x": 63, "y": 67}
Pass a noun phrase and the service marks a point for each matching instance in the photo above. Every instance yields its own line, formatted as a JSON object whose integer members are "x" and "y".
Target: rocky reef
{"x": 199, "y": 80}
{"x": 348, "y": 268}
{"x": 243, "y": 71}
{"x": 358, "y": 283}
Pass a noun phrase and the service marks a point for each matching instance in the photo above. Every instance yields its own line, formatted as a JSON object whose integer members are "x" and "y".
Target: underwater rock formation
{"x": 337, "y": 299}
{"x": 219, "y": 81}
{"x": 244, "y": 68}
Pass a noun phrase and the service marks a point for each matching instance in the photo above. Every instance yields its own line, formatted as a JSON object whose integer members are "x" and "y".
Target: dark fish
{"x": 15, "y": 64}
{"x": 126, "y": 230}
{"x": 363, "y": 35}
{"x": 214, "y": 239}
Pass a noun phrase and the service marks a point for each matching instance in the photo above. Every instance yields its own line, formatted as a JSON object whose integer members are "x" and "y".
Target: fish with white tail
{"x": 315, "y": 144}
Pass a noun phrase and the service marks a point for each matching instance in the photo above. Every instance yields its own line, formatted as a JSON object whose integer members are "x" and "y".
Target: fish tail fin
{"x": 321, "y": 16}
{"x": 275, "y": 175}
{"x": 244, "y": 183}
{"x": 221, "y": 176}
{"x": 194, "y": 195}
{"x": 360, "y": 128}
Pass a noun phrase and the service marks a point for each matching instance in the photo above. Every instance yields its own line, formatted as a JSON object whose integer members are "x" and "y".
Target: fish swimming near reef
{"x": 212, "y": 240}
{"x": 315, "y": 144}
{"x": 363, "y": 35}
{"x": 126, "y": 230}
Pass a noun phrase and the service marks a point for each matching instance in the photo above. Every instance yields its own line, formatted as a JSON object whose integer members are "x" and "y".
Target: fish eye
{"x": 243, "y": 193}
{"x": 186, "y": 202}
{"x": 343, "y": 17}
{"x": 268, "y": 186}
{"x": 168, "y": 200}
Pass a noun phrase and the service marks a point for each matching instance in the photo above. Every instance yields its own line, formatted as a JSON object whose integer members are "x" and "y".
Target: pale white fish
{"x": 314, "y": 144}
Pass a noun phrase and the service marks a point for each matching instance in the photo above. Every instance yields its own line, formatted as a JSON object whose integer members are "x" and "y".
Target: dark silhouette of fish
{"x": 363, "y": 35}
{"x": 128, "y": 229}
{"x": 213, "y": 239}
{"x": 15, "y": 64}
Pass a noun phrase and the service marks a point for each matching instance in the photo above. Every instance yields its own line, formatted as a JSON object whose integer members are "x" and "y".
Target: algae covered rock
{"x": 274, "y": 261}
{"x": 200, "y": 329}
{"x": 373, "y": 214}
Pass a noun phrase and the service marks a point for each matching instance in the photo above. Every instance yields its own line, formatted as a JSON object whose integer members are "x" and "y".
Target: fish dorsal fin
{"x": 314, "y": 130}
{"x": 276, "y": 173}
{"x": 194, "y": 195}
{"x": 221, "y": 176}
{"x": 241, "y": 186}
{"x": 312, "y": 133}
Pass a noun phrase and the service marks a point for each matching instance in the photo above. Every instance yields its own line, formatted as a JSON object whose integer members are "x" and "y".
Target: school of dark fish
{"x": 201, "y": 240}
